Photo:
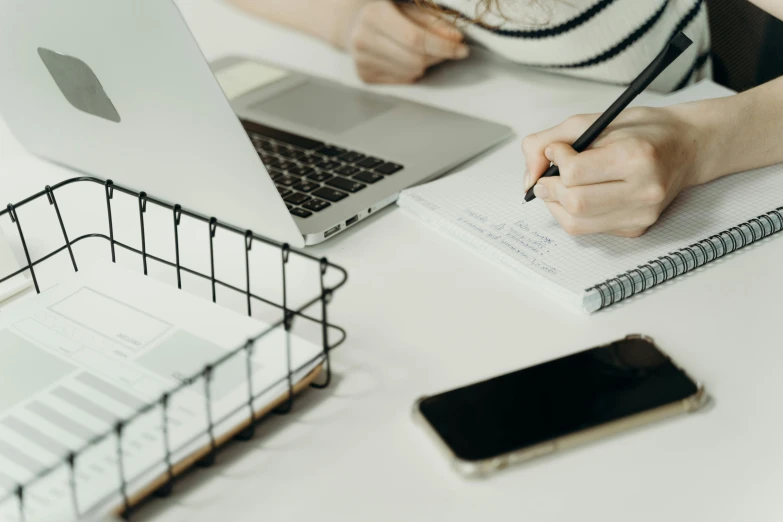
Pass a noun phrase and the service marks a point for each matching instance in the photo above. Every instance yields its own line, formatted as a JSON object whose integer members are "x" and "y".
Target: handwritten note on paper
{"x": 495, "y": 222}
{"x": 482, "y": 207}
{"x": 517, "y": 238}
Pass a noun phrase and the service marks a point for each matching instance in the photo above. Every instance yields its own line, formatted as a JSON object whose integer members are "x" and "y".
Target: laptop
{"x": 120, "y": 90}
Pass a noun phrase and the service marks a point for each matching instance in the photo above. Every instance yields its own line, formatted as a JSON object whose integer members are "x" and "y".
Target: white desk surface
{"x": 424, "y": 315}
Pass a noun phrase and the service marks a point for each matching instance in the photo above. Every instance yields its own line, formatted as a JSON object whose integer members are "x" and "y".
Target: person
{"x": 628, "y": 177}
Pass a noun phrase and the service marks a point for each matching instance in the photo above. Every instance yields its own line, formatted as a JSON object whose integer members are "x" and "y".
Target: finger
{"x": 395, "y": 66}
{"x": 534, "y": 145}
{"x": 613, "y": 222}
{"x": 585, "y": 168}
{"x": 387, "y": 49}
{"x": 392, "y": 61}
{"x": 375, "y": 49}
{"x": 441, "y": 47}
{"x": 586, "y": 200}
{"x": 374, "y": 72}
{"x": 380, "y": 76}
{"x": 434, "y": 60}
{"x": 380, "y": 79}
{"x": 433, "y": 23}
{"x": 559, "y": 153}
{"x": 411, "y": 36}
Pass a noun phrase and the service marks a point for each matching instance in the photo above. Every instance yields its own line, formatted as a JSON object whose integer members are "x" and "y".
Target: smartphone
{"x": 558, "y": 404}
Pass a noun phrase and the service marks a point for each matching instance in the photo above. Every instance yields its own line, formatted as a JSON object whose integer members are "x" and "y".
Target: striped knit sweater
{"x": 604, "y": 40}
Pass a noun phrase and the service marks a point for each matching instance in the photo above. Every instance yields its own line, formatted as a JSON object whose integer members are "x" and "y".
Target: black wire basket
{"x": 114, "y": 204}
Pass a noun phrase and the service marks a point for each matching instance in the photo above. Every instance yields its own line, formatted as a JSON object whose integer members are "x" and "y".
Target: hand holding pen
{"x": 633, "y": 171}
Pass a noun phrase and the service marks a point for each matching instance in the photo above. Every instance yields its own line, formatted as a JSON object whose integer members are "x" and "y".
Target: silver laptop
{"x": 120, "y": 90}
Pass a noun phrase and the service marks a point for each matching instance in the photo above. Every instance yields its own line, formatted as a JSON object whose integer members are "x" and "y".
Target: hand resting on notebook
{"x": 624, "y": 181}
{"x": 638, "y": 166}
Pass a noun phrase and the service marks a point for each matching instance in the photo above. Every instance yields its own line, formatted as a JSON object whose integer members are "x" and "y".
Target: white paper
{"x": 482, "y": 207}
{"x": 247, "y": 76}
{"x": 96, "y": 348}
{"x": 9, "y": 265}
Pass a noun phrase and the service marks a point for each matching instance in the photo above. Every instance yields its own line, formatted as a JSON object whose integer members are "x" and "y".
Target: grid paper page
{"x": 483, "y": 208}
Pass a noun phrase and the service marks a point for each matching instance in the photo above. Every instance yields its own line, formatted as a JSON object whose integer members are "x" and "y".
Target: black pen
{"x": 673, "y": 50}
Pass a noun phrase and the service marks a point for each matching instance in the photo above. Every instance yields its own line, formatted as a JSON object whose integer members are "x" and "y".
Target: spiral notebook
{"x": 482, "y": 207}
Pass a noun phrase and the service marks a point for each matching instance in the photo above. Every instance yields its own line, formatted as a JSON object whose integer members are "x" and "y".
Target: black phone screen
{"x": 556, "y": 398}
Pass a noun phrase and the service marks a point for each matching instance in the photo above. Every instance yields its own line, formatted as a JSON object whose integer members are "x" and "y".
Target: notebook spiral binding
{"x": 318, "y": 378}
{"x": 677, "y": 263}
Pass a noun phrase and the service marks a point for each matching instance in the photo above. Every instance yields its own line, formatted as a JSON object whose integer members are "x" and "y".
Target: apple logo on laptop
{"x": 79, "y": 84}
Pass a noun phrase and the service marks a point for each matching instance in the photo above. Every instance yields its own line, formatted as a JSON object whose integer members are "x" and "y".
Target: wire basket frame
{"x": 320, "y": 377}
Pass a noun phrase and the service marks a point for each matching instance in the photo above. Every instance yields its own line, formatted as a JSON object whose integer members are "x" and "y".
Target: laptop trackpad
{"x": 330, "y": 109}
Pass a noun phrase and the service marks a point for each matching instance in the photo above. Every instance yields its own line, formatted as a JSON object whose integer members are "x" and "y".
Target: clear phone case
{"x": 695, "y": 402}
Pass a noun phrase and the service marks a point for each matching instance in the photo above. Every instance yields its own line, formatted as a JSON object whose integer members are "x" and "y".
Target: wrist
{"x": 703, "y": 129}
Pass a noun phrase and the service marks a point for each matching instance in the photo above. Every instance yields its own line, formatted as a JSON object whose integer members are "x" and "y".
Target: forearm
{"x": 737, "y": 133}
{"x": 740, "y": 132}
{"x": 329, "y": 20}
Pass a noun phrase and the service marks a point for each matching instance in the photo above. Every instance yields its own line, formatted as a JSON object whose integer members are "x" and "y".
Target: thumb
{"x": 558, "y": 154}
{"x": 534, "y": 146}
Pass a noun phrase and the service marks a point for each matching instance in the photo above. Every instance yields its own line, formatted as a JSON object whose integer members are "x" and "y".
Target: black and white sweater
{"x": 604, "y": 40}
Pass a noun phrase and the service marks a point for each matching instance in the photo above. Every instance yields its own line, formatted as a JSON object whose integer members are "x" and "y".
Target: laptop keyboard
{"x": 311, "y": 175}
